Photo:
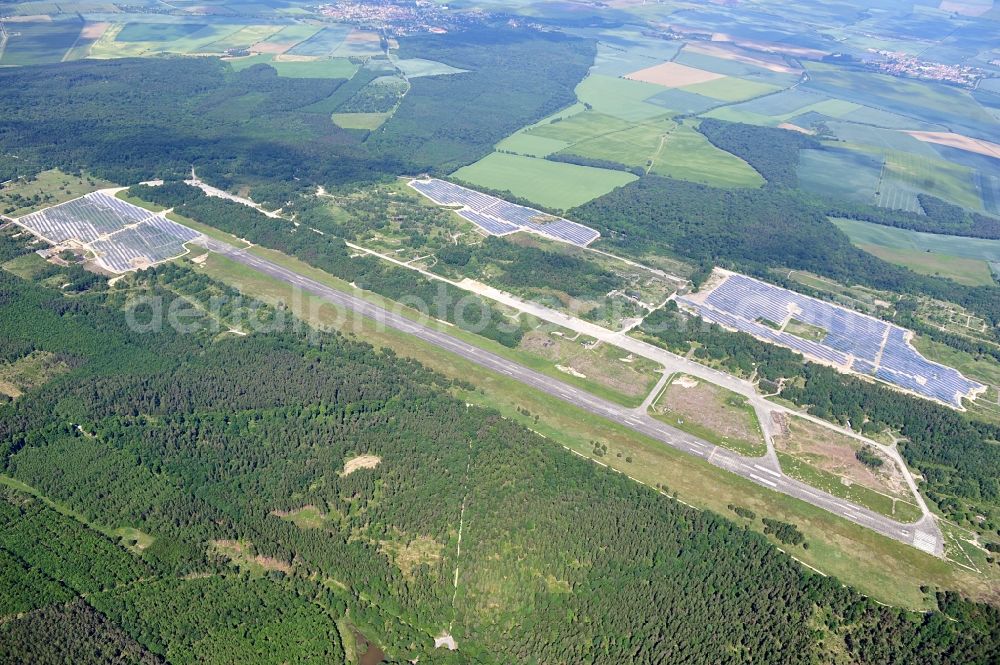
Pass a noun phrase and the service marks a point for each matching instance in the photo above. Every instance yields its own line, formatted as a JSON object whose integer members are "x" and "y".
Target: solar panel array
{"x": 84, "y": 219}
{"x": 498, "y": 217}
{"x": 123, "y": 236}
{"x": 854, "y": 341}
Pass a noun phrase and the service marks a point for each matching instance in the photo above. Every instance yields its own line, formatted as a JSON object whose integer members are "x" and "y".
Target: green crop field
{"x": 688, "y": 155}
{"x": 39, "y": 43}
{"x": 634, "y": 146}
{"x": 921, "y": 100}
{"x": 945, "y": 180}
{"x": 525, "y": 143}
{"x": 551, "y": 184}
{"x": 619, "y": 97}
{"x": 928, "y": 248}
{"x": 731, "y": 89}
{"x": 850, "y": 174}
{"x": 579, "y": 127}
{"x": 244, "y": 38}
{"x": 963, "y": 271}
{"x": 157, "y": 32}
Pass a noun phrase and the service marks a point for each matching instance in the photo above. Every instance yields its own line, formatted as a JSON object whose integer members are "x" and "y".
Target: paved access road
{"x": 762, "y": 471}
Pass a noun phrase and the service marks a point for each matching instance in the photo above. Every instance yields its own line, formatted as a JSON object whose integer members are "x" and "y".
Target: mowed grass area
{"x": 956, "y": 257}
{"x": 325, "y": 68}
{"x": 712, "y": 413}
{"x": 550, "y": 184}
{"x": 48, "y": 188}
{"x": 827, "y": 460}
{"x": 885, "y": 569}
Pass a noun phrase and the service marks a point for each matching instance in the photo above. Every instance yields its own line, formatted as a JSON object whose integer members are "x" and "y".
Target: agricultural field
{"x": 38, "y": 43}
{"x": 688, "y": 155}
{"x": 829, "y": 461}
{"x": 320, "y": 44}
{"x": 550, "y": 184}
{"x": 945, "y": 180}
{"x": 712, "y": 413}
{"x": 967, "y": 260}
{"x": 923, "y": 101}
{"x": 834, "y": 171}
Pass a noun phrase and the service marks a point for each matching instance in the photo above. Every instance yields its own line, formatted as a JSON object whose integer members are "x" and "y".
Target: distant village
{"x": 897, "y": 63}
{"x": 400, "y": 17}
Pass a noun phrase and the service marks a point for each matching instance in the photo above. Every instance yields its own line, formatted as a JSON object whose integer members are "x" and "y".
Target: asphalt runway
{"x": 923, "y": 534}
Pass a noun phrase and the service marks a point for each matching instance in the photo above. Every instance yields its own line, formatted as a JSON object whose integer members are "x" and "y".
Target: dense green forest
{"x": 329, "y": 253}
{"x": 137, "y": 119}
{"x": 228, "y": 452}
{"x": 773, "y": 152}
{"x": 957, "y": 456}
{"x": 514, "y": 78}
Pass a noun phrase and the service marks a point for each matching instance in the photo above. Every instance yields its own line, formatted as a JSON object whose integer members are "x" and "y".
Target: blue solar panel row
{"x": 862, "y": 343}
{"x": 488, "y": 224}
{"x": 498, "y": 217}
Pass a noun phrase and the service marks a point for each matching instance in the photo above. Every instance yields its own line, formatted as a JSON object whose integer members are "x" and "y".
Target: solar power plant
{"x": 853, "y": 341}
{"x": 498, "y": 217}
{"x": 122, "y": 236}
{"x": 84, "y": 219}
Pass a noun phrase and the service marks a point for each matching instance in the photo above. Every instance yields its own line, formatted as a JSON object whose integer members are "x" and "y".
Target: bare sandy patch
{"x": 94, "y": 30}
{"x": 285, "y": 57}
{"x": 360, "y": 462}
{"x": 685, "y": 381}
{"x": 673, "y": 75}
{"x": 571, "y": 371}
{"x": 952, "y": 140}
{"x": 795, "y": 128}
{"x": 736, "y": 54}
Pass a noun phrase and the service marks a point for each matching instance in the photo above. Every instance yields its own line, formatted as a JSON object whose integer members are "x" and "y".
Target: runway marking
{"x": 763, "y": 480}
{"x": 776, "y": 475}
{"x": 925, "y": 541}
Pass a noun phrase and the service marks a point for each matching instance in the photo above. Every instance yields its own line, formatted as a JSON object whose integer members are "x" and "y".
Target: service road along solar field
{"x": 923, "y": 534}
{"x": 830, "y": 334}
{"x": 121, "y": 236}
{"x": 498, "y": 217}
